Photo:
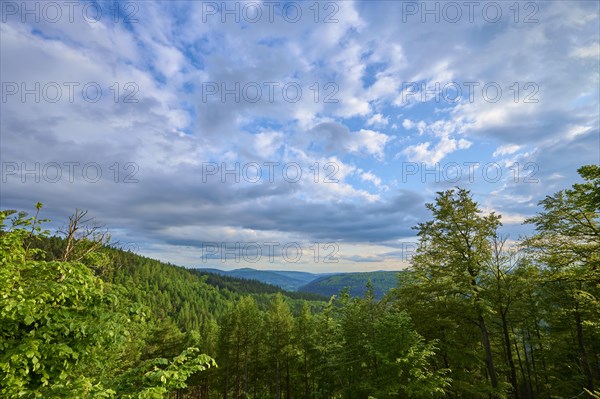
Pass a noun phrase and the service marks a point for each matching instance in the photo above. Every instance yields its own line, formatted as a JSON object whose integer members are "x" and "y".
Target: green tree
{"x": 567, "y": 241}
{"x": 279, "y": 324}
{"x": 56, "y": 321}
{"x": 246, "y": 333}
{"x": 454, "y": 250}
{"x": 66, "y": 333}
{"x": 328, "y": 374}
{"x": 305, "y": 340}
{"x": 404, "y": 358}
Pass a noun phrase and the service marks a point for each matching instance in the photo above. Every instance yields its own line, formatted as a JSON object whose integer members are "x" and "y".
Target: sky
{"x": 303, "y": 135}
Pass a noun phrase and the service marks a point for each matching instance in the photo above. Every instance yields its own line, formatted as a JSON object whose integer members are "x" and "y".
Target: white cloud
{"x": 267, "y": 143}
{"x": 377, "y": 120}
{"x": 589, "y": 51}
{"x": 408, "y": 125}
{"x": 578, "y": 130}
{"x": 369, "y": 142}
{"x": 506, "y": 149}
{"x": 368, "y": 176}
{"x": 425, "y": 153}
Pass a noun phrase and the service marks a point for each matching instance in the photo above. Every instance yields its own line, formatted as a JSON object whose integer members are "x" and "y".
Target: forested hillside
{"x": 302, "y": 285}
{"x": 189, "y": 297}
{"x": 475, "y": 316}
{"x": 250, "y": 286}
{"x": 287, "y": 280}
{"x": 381, "y": 281}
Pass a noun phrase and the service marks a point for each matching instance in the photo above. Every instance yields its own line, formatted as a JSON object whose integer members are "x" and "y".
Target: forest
{"x": 382, "y": 282}
{"x": 476, "y": 315}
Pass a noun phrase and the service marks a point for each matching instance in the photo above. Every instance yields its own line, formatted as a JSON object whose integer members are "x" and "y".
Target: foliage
{"x": 64, "y": 332}
{"x": 382, "y": 281}
{"x": 157, "y": 377}
{"x": 474, "y": 316}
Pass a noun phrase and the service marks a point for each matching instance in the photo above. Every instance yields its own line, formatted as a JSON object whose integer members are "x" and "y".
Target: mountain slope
{"x": 288, "y": 280}
{"x": 382, "y": 282}
{"x": 187, "y": 296}
{"x": 244, "y": 286}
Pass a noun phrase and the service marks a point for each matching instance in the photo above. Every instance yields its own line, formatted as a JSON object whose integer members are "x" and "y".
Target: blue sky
{"x": 292, "y": 135}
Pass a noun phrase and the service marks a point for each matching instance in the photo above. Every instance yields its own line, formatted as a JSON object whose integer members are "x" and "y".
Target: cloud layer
{"x": 181, "y": 123}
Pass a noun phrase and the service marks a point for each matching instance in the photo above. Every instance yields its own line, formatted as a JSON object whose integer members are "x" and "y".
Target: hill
{"x": 303, "y": 284}
{"x": 189, "y": 297}
{"x": 287, "y": 280}
{"x": 382, "y": 282}
{"x": 244, "y": 286}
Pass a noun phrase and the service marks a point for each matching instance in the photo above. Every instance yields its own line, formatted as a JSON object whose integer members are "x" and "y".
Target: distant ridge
{"x": 288, "y": 280}
{"x": 382, "y": 282}
{"x": 326, "y": 284}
